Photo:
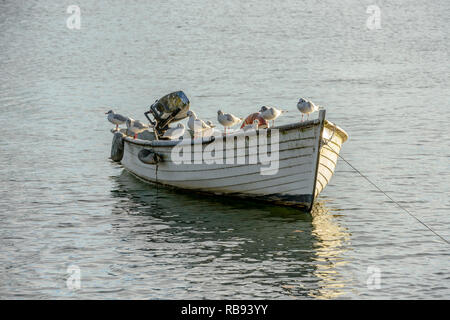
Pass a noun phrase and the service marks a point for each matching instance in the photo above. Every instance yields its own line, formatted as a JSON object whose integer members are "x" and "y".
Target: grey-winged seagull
{"x": 195, "y": 124}
{"x": 136, "y": 126}
{"x": 306, "y": 107}
{"x": 116, "y": 118}
{"x": 227, "y": 119}
{"x": 270, "y": 113}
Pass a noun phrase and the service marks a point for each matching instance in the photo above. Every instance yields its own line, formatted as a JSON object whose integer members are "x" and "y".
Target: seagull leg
{"x": 135, "y": 135}
{"x": 117, "y": 127}
{"x": 302, "y": 116}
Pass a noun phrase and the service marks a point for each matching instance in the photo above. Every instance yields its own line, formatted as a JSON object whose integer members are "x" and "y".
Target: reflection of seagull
{"x": 174, "y": 133}
{"x": 227, "y": 119}
{"x": 116, "y": 118}
{"x": 306, "y": 107}
{"x": 196, "y": 124}
{"x": 136, "y": 126}
{"x": 253, "y": 126}
{"x": 270, "y": 113}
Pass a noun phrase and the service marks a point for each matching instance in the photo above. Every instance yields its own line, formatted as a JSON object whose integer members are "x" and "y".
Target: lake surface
{"x": 64, "y": 204}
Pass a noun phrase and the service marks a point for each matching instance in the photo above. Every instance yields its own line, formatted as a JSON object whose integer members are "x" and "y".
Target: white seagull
{"x": 196, "y": 124}
{"x": 270, "y": 113}
{"x": 174, "y": 133}
{"x": 227, "y": 119}
{"x": 136, "y": 126}
{"x": 306, "y": 107}
{"x": 116, "y": 118}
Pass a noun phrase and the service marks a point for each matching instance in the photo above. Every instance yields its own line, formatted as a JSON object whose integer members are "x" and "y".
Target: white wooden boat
{"x": 307, "y": 156}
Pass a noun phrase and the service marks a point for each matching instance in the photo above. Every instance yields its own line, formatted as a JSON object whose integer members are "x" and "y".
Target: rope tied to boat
{"x": 324, "y": 142}
{"x": 385, "y": 193}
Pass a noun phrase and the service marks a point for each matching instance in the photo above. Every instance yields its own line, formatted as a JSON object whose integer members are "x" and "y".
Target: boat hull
{"x": 295, "y": 177}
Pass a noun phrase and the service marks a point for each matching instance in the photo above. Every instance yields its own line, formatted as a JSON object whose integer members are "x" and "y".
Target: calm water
{"x": 63, "y": 202}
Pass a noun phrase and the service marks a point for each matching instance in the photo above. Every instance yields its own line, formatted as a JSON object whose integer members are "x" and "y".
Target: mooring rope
{"x": 388, "y": 196}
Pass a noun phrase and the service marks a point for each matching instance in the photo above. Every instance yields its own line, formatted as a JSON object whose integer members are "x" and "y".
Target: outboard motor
{"x": 170, "y": 108}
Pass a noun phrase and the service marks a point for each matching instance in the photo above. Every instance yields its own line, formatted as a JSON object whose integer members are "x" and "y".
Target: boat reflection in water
{"x": 332, "y": 242}
{"x": 195, "y": 246}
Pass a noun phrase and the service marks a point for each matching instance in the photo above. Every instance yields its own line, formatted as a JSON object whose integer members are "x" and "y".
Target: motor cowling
{"x": 172, "y": 107}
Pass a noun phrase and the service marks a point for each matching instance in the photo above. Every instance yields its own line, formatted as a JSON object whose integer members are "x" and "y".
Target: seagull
{"x": 227, "y": 119}
{"x": 196, "y": 124}
{"x": 270, "y": 113}
{"x": 116, "y": 118}
{"x": 174, "y": 133}
{"x": 306, "y": 107}
{"x": 253, "y": 126}
{"x": 210, "y": 124}
{"x": 136, "y": 126}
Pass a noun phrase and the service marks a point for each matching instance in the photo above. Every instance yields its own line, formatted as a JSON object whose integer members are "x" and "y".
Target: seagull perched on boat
{"x": 136, "y": 126}
{"x": 270, "y": 113}
{"x": 210, "y": 124}
{"x": 306, "y": 107}
{"x": 116, "y": 118}
{"x": 174, "y": 133}
{"x": 253, "y": 126}
{"x": 195, "y": 124}
{"x": 227, "y": 119}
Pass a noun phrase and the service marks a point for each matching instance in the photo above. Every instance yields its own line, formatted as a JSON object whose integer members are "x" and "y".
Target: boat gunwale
{"x": 342, "y": 133}
{"x": 207, "y": 140}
